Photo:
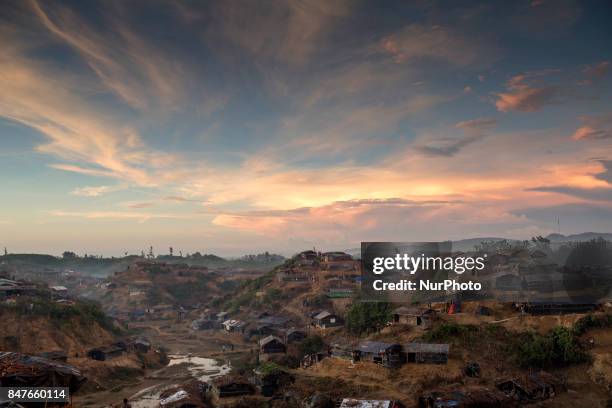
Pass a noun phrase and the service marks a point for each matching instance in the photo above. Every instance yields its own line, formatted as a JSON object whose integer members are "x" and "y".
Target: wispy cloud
{"x": 138, "y": 216}
{"x": 474, "y": 130}
{"x": 95, "y": 191}
{"x": 595, "y": 127}
{"x": 597, "y": 70}
{"x": 416, "y": 42}
{"x": 525, "y": 97}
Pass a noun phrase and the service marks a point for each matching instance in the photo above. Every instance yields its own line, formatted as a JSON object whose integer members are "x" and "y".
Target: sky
{"x": 234, "y": 127}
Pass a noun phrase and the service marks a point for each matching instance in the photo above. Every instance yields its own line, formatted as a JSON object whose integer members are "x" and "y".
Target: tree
{"x": 68, "y": 255}
{"x": 171, "y": 251}
{"x": 365, "y": 316}
{"x": 311, "y": 345}
{"x": 150, "y": 255}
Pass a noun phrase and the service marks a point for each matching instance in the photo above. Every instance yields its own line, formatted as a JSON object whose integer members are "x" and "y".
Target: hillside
{"x": 35, "y": 324}
{"x": 145, "y": 284}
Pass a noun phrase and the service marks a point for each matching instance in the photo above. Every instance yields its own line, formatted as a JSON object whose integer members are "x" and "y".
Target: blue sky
{"x": 238, "y": 126}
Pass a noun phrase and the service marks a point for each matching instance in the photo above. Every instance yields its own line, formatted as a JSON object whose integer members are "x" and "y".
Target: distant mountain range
{"x": 585, "y": 236}
{"x": 468, "y": 243}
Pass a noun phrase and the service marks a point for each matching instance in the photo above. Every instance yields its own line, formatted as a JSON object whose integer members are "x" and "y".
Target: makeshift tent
{"x": 21, "y": 370}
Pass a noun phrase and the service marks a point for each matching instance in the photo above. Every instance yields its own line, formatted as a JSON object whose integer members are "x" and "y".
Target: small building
{"x": 336, "y": 257}
{"x": 550, "y": 308}
{"x": 413, "y": 316}
{"x": 340, "y": 293}
{"x": 204, "y": 324}
{"x": 311, "y": 359}
{"x": 231, "y": 386}
{"x": 273, "y": 321}
{"x": 260, "y": 330}
{"x": 270, "y": 381}
{"x": 105, "y": 353}
{"x": 325, "y": 319}
{"x": 426, "y": 353}
{"x": 386, "y": 354}
{"x": 272, "y": 345}
{"x": 141, "y": 345}
{"x": 533, "y": 387}
{"x": 295, "y": 335}
{"x": 361, "y": 403}
{"x": 309, "y": 255}
{"x": 233, "y": 325}
{"x": 465, "y": 398}
{"x": 59, "y": 290}
{"x": 221, "y": 316}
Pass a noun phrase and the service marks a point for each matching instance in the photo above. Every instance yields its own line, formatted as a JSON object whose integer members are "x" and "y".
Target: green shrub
{"x": 559, "y": 347}
{"x": 449, "y": 330}
{"x": 364, "y": 317}
{"x": 591, "y": 321}
{"x": 311, "y": 345}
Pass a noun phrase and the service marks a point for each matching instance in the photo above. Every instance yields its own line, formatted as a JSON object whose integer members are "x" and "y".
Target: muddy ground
{"x": 192, "y": 355}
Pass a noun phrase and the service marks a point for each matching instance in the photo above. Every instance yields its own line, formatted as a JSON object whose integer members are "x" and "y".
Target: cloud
{"x": 289, "y": 31}
{"x": 134, "y": 69}
{"x": 341, "y": 215}
{"x": 417, "y": 41}
{"x": 588, "y": 132}
{"x": 89, "y": 136}
{"x": 139, "y": 216}
{"x": 595, "y": 127}
{"x": 597, "y": 70}
{"x": 524, "y": 97}
{"x": 95, "y": 191}
{"x": 477, "y": 124}
{"x": 474, "y": 130}
{"x": 137, "y": 205}
{"x": 592, "y": 194}
{"x": 606, "y": 174}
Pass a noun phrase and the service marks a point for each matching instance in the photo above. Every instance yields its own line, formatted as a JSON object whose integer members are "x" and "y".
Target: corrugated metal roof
{"x": 269, "y": 339}
{"x": 426, "y": 348}
{"x": 374, "y": 346}
{"x": 322, "y": 315}
{"x": 355, "y": 403}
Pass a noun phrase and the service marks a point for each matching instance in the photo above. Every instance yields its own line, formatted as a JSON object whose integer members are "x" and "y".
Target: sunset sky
{"x": 236, "y": 127}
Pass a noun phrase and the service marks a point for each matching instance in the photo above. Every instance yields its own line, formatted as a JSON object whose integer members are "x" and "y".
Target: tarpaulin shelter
{"x": 22, "y": 370}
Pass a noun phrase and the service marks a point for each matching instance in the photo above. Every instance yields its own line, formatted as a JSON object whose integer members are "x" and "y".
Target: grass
{"x": 448, "y": 331}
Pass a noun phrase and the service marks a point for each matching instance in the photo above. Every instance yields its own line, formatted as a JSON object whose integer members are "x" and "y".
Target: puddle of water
{"x": 149, "y": 397}
{"x": 202, "y": 369}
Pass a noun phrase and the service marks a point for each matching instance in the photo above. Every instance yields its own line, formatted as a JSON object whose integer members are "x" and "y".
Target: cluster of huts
{"x": 265, "y": 382}
{"x": 117, "y": 349}
{"x": 509, "y": 392}
{"x": 393, "y": 355}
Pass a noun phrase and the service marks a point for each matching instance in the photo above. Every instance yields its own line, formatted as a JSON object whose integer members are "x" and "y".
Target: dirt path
{"x": 192, "y": 354}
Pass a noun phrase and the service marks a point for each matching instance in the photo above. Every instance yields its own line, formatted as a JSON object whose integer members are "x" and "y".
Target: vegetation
{"x": 449, "y": 330}
{"x": 269, "y": 367}
{"x": 592, "y": 321}
{"x": 273, "y": 295}
{"x": 311, "y": 345}
{"x": 189, "y": 291}
{"x": 559, "y": 347}
{"x": 364, "y": 317}
{"x": 84, "y": 312}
